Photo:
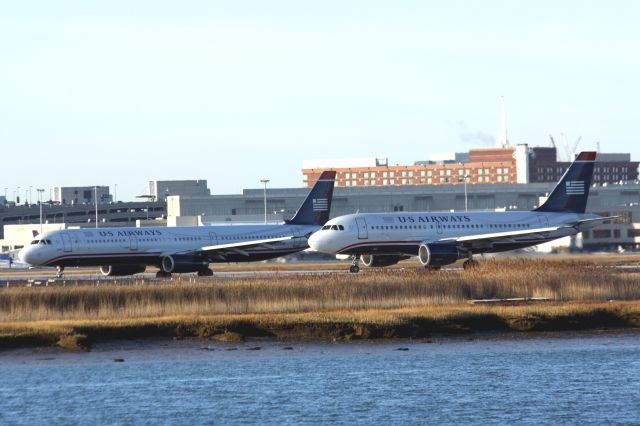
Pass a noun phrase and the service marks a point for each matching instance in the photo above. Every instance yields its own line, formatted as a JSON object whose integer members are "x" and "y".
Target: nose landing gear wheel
{"x": 354, "y": 269}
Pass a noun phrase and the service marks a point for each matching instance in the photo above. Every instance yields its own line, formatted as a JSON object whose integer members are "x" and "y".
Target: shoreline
{"x": 426, "y": 322}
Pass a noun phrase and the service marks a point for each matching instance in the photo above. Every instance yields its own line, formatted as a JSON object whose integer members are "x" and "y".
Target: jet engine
{"x": 438, "y": 254}
{"x": 372, "y": 260}
{"x": 121, "y": 270}
{"x": 182, "y": 263}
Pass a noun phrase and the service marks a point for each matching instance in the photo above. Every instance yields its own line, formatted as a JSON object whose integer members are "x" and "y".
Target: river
{"x": 573, "y": 379}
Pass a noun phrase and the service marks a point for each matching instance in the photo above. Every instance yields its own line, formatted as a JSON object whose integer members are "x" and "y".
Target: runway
{"x": 43, "y": 277}
{"x": 48, "y": 277}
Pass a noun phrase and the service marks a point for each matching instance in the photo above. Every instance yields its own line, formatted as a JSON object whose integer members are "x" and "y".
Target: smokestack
{"x": 502, "y": 141}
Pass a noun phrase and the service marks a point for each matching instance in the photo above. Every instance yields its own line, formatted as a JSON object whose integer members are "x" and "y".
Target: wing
{"x": 490, "y": 240}
{"x": 533, "y": 236}
{"x": 220, "y": 251}
{"x": 242, "y": 244}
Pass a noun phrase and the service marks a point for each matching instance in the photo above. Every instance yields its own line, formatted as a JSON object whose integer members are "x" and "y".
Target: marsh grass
{"x": 379, "y": 289}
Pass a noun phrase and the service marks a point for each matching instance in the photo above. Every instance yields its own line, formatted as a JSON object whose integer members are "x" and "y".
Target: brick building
{"x": 519, "y": 164}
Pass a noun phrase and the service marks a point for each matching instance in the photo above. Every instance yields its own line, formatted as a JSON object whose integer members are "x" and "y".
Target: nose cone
{"x": 23, "y": 256}
{"x": 319, "y": 241}
{"x": 314, "y": 241}
{"x": 27, "y": 255}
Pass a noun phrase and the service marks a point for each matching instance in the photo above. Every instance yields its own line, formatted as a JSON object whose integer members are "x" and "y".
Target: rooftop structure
{"x": 161, "y": 189}
{"x": 81, "y": 195}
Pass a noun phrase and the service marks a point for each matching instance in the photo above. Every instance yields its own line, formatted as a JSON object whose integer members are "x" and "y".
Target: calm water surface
{"x": 573, "y": 380}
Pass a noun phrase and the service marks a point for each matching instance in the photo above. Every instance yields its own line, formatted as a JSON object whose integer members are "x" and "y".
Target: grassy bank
{"x": 376, "y": 304}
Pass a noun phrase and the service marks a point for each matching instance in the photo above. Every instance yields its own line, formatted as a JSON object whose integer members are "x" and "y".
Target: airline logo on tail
{"x": 575, "y": 187}
{"x": 320, "y": 204}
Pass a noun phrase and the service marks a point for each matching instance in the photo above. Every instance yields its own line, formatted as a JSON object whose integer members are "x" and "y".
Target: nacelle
{"x": 121, "y": 270}
{"x": 438, "y": 254}
{"x": 371, "y": 260}
{"x": 182, "y": 263}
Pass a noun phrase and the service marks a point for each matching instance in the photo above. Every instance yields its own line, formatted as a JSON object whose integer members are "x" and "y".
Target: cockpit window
{"x": 35, "y": 242}
{"x": 324, "y": 228}
{"x": 334, "y": 227}
{"x": 340, "y": 227}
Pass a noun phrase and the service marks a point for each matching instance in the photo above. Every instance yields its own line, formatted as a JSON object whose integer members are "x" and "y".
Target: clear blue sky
{"x": 121, "y": 92}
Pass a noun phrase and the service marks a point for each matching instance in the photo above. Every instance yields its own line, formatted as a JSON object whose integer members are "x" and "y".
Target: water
{"x": 576, "y": 380}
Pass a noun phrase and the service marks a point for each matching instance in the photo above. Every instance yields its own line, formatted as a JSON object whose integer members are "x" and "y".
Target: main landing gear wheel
{"x": 470, "y": 264}
{"x": 205, "y": 273}
{"x": 163, "y": 274}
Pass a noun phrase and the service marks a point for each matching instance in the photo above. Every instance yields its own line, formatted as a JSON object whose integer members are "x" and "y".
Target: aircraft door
{"x": 363, "y": 234}
{"x": 213, "y": 238}
{"x": 439, "y": 228}
{"x": 133, "y": 243}
{"x": 66, "y": 242}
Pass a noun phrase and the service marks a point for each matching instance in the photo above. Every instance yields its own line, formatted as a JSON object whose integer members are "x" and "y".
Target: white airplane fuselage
{"x": 146, "y": 246}
{"x": 403, "y": 233}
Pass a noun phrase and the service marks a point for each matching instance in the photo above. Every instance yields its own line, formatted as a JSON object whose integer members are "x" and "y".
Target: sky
{"x": 123, "y": 92}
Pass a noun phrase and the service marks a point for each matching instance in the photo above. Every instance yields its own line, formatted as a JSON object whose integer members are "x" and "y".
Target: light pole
{"x": 40, "y": 191}
{"x": 95, "y": 199}
{"x": 115, "y": 193}
{"x": 30, "y": 200}
{"x": 17, "y": 196}
{"x": 5, "y": 194}
{"x": 265, "y": 182}
{"x": 465, "y": 179}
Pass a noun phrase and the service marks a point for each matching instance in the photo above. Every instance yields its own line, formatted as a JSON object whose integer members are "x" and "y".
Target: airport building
{"x": 608, "y": 200}
{"x": 505, "y": 165}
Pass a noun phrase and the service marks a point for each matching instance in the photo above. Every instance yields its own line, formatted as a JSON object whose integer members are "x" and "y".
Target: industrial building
{"x": 504, "y": 165}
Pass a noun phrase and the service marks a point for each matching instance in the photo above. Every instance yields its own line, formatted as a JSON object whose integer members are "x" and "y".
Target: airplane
{"x": 127, "y": 250}
{"x": 442, "y": 238}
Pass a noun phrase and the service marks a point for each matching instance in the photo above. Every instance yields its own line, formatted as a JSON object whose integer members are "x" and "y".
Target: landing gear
{"x": 205, "y": 273}
{"x": 59, "y": 271}
{"x": 470, "y": 263}
{"x": 163, "y": 274}
{"x": 354, "y": 268}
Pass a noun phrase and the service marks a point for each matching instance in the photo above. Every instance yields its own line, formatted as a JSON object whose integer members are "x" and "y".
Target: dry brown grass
{"x": 373, "y": 290}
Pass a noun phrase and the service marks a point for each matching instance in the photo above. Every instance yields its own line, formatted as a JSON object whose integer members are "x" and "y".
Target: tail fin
{"x": 571, "y": 193}
{"x": 316, "y": 207}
